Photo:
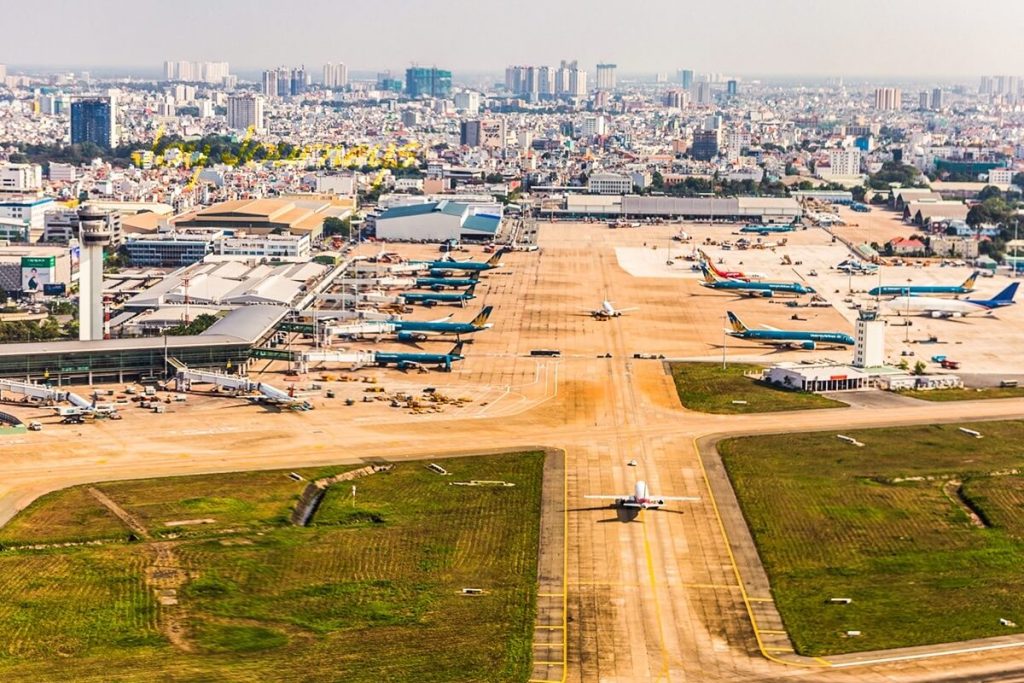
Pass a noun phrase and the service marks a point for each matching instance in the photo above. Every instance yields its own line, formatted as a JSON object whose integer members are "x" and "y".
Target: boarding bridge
{"x": 185, "y": 377}
{"x": 391, "y": 268}
{"x": 44, "y": 394}
{"x": 355, "y": 359}
{"x": 345, "y": 298}
{"x": 369, "y": 327}
{"x": 381, "y": 282}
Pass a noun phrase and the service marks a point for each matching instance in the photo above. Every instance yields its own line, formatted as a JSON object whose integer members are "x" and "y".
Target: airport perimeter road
{"x": 656, "y": 598}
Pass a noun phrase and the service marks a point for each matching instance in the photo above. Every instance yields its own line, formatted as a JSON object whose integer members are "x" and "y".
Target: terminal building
{"x": 736, "y": 209}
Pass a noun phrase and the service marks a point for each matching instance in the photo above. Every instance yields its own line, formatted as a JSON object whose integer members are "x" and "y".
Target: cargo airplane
{"x": 762, "y": 289}
{"x": 411, "y": 330}
{"x": 790, "y": 338}
{"x": 916, "y": 290}
{"x": 641, "y": 498}
{"x": 937, "y": 307}
{"x": 408, "y": 361}
{"x": 608, "y": 311}
{"x": 432, "y": 298}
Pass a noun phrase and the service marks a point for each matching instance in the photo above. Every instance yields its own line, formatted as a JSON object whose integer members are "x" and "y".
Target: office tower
{"x": 270, "y": 83}
{"x": 686, "y": 78}
{"x": 299, "y": 81}
{"x": 335, "y": 75}
{"x": 469, "y": 133}
{"x": 922, "y": 100}
{"x": 606, "y": 77}
{"x": 94, "y": 119}
{"x": 424, "y": 82}
{"x": 888, "y": 99}
{"x": 705, "y": 96}
{"x": 731, "y": 88}
{"x": 705, "y": 144}
{"x": 937, "y": 99}
{"x": 245, "y": 111}
{"x": 94, "y": 235}
{"x": 468, "y": 101}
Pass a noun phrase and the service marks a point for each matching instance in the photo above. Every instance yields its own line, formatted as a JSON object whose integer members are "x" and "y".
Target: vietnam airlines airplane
{"x": 432, "y": 298}
{"x": 407, "y": 361}
{"x": 937, "y": 307}
{"x": 439, "y": 283}
{"x": 766, "y": 229}
{"x": 444, "y": 267}
{"x": 914, "y": 290}
{"x": 411, "y": 330}
{"x": 762, "y": 289}
{"x": 792, "y": 338}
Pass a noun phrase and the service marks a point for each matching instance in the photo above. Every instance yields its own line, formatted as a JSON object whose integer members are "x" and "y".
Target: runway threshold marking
{"x": 735, "y": 567}
{"x": 654, "y": 596}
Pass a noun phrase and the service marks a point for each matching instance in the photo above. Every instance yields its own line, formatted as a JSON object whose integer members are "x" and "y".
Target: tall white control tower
{"x": 869, "y": 350}
{"x": 94, "y": 234}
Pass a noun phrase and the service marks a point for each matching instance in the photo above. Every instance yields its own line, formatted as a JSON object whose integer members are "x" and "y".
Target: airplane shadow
{"x": 622, "y": 514}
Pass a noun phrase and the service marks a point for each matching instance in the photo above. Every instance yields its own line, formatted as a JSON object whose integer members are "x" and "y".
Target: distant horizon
{"x": 882, "y": 39}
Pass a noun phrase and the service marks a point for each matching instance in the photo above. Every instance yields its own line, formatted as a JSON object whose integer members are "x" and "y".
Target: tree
{"x": 988, "y": 192}
{"x": 197, "y": 326}
{"x": 494, "y": 178}
{"x": 859, "y": 193}
{"x": 919, "y": 368}
{"x": 337, "y": 226}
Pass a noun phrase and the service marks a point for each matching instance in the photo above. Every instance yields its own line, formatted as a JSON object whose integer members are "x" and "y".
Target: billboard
{"x": 37, "y": 271}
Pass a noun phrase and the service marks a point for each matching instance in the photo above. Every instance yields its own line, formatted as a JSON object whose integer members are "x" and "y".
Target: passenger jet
{"x": 641, "y": 498}
{"x": 791, "y": 338}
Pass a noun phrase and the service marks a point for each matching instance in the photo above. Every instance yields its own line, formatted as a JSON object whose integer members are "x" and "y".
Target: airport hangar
{"x": 735, "y": 209}
{"x": 439, "y": 221}
{"x": 227, "y": 345}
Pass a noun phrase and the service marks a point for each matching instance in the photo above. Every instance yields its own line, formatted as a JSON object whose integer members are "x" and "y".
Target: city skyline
{"x": 782, "y": 37}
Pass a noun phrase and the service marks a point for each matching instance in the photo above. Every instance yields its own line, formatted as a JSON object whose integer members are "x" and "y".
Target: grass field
{"x": 965, "y": 394}
{"x": 887, "y": 526}
{"x": 707, "y": 388}
{"x": 369, "y": 592}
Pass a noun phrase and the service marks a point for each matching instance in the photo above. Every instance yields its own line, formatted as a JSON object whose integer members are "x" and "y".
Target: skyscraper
{"x": 606, "y": 77}
{"x": 704, "y": 94}
{"x": 245, "y": 111}
{"x": 686, "y": 78}
{"x": 888, "y": 99}
{"x": 731, "y": 88}
{"x": 937, "y": 99}
{"x": 335, "y": 75}
{"x": 94, "y": 119}
{"x": 270, "y": 83}
{"x": 424, "y": 82}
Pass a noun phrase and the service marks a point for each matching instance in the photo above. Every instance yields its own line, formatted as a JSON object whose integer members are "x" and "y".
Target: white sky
{"x": 932, "y": 38}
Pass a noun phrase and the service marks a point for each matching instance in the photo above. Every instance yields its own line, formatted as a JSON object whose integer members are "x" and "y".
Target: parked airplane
{"x": 439, "y": 283}
{"x": 608, "y": 311}
{"x": 728, "y": 274}
{"x": 407, "y": 361}
{"x": 949, "y": 308}
{"x": 913, "y": 290}
{"x": 767, "y": 229}
{"x": 431, "y": 298}
{"x": 411, "y": 330}
{"x": 762, "y": 289}
{"x": 641, "y": 498}
{"x": 444, "y": 267}
{"x": 793, "y": 338}
{"x": 855, "y": 267}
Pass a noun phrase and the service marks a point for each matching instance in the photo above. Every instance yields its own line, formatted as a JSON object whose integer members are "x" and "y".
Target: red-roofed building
{"x": 906, "y": 246}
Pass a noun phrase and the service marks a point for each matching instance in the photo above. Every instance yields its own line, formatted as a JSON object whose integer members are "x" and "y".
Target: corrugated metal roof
{"x": 482, "y": 223}
{"x": 247, "y": 323}
{"x": 411, "y": 210}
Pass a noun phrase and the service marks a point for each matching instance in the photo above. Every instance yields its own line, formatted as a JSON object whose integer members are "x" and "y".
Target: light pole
{"x": 725, "y": 337}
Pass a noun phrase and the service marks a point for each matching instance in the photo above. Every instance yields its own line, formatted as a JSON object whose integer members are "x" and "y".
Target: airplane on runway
{"x": 762, "y": 289}
{"x": 949, "y": 308}
{"x": 439, "y": 283}
{"x": 914, "y": 290}
{"x": 411, "y": 330}
{"x": 431, "y": 298}
{"x": 608, "y": 311}
{"x": 445, "y": 267}
{"x": 767, "y": 229}
{"x": 641, "y": 498}
{"x": 791, "y": 338}
{"x": 408, "y": 361}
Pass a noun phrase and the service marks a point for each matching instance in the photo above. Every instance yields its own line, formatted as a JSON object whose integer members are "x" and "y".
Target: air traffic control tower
{"x": 869, "y": 346}
{"x": 94, "y": 234}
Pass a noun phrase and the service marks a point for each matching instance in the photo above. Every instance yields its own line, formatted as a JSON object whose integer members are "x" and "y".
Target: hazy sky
{"x": 943, "y": 38}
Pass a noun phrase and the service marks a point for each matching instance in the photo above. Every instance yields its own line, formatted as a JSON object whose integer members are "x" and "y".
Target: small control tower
{"x": 869, "y": 348}
{"x": 94, "y": 234}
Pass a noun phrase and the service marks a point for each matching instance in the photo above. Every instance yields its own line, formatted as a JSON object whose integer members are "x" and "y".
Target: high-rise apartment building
{"x": 570, "y": 80}
{"x": 424, "y": 82}
{"x": 888, "y": 99}
{"x": 468, "y": 101}
{"x": 732, "y": 88}
{"x": 245, "y": 111}
{"x": 686, "y": 78}
{"x": 605, "y": 77}
{"x": 94, "y": 119}
{"x": 706, "y": 144}
{"x": 844, "y": 162}
{"x": 270, "y": 83}
{"x": 469, "y": 133}
{"x": 196, "y": 72}
{"x": 937, "y": 99}
{"x": 922, "y": 100}
{"x": 705, "y": 96}
{"x": 335, "y": 75}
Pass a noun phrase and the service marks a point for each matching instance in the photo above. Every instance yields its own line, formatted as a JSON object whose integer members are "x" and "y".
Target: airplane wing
{"x": 605, "y": 497}
{"x": 626, "y": 310}
{"x": 769, "y": 327}
{"x": 443, "y": 320}
{"x": 680, "y": 498}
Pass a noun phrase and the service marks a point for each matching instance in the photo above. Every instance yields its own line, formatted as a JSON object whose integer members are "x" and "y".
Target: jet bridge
{"x": 185, "y": 377}
{"x": 44, "y": 394}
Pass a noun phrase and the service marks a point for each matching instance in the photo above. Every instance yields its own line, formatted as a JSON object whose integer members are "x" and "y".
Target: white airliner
{"x": 641, "y": 498}
{"x": 608, "y": 311}
{"x": 948, "y": 308}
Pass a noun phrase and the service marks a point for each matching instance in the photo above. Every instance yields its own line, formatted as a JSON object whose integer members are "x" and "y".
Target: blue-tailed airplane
{"x": 766, "y": 229}
{"x": 792, "y": 338}
{"x": 445, "y": 267}
{"x": 432, "y": 298}
{"x": 412, "y": 330}
{"x": 917, "y": 290}
{"x": 937, "y": 307}
{"x": 439, "y": 283}
{"x": 408, "y": 361}
{"x": 763, "y": 288}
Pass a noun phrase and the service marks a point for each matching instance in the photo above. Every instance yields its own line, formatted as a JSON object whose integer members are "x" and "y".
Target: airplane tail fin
{"x": 969, "y": 282}
{"x": 734, "y": 322}
{"x": 475, "y": 276}
{"x": 493, "y": 261}
{"x": 1006, "y": 296}
{"x": 468, "y": 294}
{"x": 481, "y": 318}
{"x": 709, "y": 276}
{"x": 456, "y": 350}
